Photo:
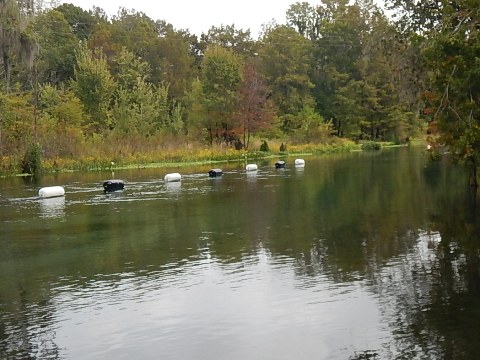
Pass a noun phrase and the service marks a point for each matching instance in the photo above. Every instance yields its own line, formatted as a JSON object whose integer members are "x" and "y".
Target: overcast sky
{"x": 200, "y": 15}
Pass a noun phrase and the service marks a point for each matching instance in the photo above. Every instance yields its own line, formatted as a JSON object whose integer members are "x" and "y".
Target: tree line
{"x": 73, "y": 79}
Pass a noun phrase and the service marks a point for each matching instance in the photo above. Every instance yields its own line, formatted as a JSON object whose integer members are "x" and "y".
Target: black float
{"x": 215, "y": 172}
{"x": 113, "y": 185}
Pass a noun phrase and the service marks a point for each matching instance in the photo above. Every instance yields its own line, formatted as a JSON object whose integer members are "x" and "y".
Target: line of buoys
{"x": 51, "y": 191}
{"x": 117, "y": 184}
{"x": 172, "y": 177}
{"x": 113, "y": 185}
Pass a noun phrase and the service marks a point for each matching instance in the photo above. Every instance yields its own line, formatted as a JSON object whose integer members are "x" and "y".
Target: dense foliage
{"x": 450, "y": 51}
{"x": 79, "y": 84}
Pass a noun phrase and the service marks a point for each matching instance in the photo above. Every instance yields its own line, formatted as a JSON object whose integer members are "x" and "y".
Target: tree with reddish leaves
{"x": 255, "y": 110}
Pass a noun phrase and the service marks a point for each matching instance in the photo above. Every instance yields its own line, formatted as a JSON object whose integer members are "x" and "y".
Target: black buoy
{"x": 215, "y": 172}
{"x": 280, "y": 164}
{"x": 113, "y": 185}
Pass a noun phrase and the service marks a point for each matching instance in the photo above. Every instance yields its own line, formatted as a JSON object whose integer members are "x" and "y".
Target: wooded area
{"x": 80, "y": 86}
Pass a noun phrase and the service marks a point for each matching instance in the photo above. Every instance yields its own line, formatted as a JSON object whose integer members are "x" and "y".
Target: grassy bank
{"x": 109, "y": 157}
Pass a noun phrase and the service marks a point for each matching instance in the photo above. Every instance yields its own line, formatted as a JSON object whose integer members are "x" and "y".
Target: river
{"x": 369, "y": 255}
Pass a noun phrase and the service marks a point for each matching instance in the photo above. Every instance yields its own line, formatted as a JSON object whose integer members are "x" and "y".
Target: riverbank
{"x": 186, "y": 156}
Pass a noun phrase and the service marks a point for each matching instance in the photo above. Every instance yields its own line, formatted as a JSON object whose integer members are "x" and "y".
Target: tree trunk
{"x": 473, "y": 176}
{"x": 6, "y": 66}
{"x": 1, "y": 143}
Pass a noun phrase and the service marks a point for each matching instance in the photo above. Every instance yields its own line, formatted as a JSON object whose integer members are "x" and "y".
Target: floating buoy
{"x": 51, "y": 191}
{"x": 113, "y": 185}
{"x": 251, "y": 167}
{"x": 173, "y": 177}
{"x": 215, "y": 172}
{"x": 280, "y": 164}
{"x": 299, "y": 162}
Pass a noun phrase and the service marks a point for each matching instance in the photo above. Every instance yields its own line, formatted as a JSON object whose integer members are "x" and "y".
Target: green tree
{"x": 304, "y": 18}
{"x": 221, "y": 76}
{"x": 196, "y": 112}
{"x": 103, "y": 38}
{"x": 94, "y": 87}
{"x": 81, "y": 22}
{"x": 418, "y": 16}
{"x": 287, "y": 65}
{"x": 15, "y": 45}
{"x": 314, "y": 128}
{"x": 129, "y": 68}
{"x": 390, "y": 68}
{"x": 60, "y": 132}
{"x": 451, "y": 53}
{"x": 140, "y": 106}
{"x": 238, "y": 40}
{"x": 173, "y": 60}
{"x": 453, "y": 56}
{"x": 16, "y": 122}
{"x": 336, "y": 52}
{"x": 135, "y": 110}
{"x": 56, "y": 58}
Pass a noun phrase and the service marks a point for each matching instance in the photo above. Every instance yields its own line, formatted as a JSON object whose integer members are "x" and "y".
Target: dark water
{"x": 356, "y": 256}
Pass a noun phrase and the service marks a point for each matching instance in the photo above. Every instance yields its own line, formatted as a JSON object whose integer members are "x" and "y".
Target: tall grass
{"x": 97, "y": 153}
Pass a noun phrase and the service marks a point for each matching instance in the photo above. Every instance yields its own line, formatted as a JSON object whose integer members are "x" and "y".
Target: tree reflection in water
{"x": 385, "y": 223}
{"x": 431, "y": 293}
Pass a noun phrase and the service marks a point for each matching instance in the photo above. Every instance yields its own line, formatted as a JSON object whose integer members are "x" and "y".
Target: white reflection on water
{"x": 173, "y": 187}
{"x": 253, "y": 309}
{"x": 52, "y": 207}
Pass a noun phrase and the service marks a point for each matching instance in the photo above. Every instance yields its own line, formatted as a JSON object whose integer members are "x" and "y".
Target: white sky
{"x": 200, "y": 15}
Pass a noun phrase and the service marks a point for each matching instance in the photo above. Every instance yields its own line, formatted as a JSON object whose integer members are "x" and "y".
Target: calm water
{"x": 355, "y": 256}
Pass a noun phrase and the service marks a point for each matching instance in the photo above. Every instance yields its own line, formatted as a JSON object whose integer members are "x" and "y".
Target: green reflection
{"x": 390, "y": 221}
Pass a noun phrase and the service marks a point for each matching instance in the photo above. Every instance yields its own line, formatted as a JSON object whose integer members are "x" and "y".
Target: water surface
{"x": 355, "y": 256}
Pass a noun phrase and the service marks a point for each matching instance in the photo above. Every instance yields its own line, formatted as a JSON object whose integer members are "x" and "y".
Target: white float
{"x": 299, "y": 162}
{"x": 172, "y": 177}
{"x": 51, "y": 191}
{"x": 251, "y": 167}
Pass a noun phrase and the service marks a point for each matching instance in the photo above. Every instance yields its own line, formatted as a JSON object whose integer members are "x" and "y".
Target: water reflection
{"x": 360, "y": 257}
{"x": 114, "y": 195}
{"x": 173, "y": 188}
{"x": 299, "y": 170}
{"x": 52, "y": 207}
{"x": 252, "y": 175}
{"x": 204, "y": 298}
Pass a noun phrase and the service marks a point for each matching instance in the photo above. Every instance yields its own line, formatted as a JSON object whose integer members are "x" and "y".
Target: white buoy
{"x": 299, "y": 162}
{"x": 173, "y": 177}
{"x": 251, "y": 167}
{"x": 51, "y": 191}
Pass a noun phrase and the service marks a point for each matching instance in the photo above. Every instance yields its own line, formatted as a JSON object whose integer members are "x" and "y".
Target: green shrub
{"x": 371, "y": 146}
{"x": 32, "y": 161}
{"x": 264, "y": 147}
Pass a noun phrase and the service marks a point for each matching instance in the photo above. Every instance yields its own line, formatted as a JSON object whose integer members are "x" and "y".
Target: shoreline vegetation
{"x": 84, "y": 91}
{"x": 193, "y": 155}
